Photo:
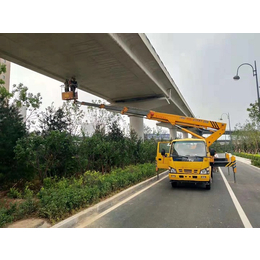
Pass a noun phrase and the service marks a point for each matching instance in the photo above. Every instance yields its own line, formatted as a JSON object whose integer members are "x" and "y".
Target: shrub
{"x": 57, "y": 203}
{"x": 17, "y": 211}
{"x": 28, "y": 193}
{"x": 61, "y": 198}
{"x": 6, "y": 215}
{"x": 25, "y": 209}
{"x": 255, "y": 158}
{"x": 14, "y": 194}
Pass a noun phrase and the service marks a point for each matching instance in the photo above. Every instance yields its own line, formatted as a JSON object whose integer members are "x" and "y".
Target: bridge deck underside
{"x": 100, "y": 64}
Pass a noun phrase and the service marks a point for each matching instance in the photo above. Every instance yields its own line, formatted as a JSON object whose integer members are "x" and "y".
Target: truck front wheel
{"x": 174, "y": 184}
{"x": 208, "y": 185}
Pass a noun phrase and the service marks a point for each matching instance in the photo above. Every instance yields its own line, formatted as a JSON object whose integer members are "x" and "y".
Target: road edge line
{"x": 238, "y": 207}
{"x": 257, "y": 168}
{"x": 78, "y": 218}
{"x": 86, "y": 223}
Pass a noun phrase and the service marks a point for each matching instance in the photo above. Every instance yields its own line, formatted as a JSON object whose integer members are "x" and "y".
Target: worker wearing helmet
{"x": 73, "y": 85}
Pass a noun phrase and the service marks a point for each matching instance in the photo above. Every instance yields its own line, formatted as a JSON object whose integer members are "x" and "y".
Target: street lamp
{"x": 227, "y": 114}
{"x": 254, "y": 74}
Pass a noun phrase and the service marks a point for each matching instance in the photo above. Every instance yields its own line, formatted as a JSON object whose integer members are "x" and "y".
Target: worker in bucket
{"x": 73, "y": 85}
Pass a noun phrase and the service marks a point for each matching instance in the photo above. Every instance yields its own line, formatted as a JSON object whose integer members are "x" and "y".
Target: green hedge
{"x": 59, "y": 198}
{"x": 17, "y": 211}
{"x": 255, "y": 158}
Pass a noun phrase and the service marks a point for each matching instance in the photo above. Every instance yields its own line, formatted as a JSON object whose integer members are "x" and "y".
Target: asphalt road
{"x": 190, "y": 206}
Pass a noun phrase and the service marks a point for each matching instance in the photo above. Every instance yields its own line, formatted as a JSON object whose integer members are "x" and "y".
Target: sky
{"x": 202, "y": 66}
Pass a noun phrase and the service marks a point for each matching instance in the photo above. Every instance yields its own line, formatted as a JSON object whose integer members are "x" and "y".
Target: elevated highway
{"x": 123, "y": 69}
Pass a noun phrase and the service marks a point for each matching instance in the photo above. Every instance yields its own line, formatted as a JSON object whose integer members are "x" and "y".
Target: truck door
{"x": 163, "y": 160}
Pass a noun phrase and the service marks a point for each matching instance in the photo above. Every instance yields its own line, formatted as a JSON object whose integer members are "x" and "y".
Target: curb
{"x": 243, "y": 160}
{"x": 246, "y": 161}
{"x": 100, "y": 207}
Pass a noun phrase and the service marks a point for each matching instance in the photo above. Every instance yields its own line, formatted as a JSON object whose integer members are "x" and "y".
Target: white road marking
{"x": 239, "y": 209}
{"x": 88, "y": 222}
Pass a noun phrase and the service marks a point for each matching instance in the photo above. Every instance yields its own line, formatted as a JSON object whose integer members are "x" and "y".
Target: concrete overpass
{"x": 123, "y": 69}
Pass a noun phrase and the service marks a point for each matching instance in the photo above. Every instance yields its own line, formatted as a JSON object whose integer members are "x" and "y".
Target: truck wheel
{"x": 174, "y": 184}
{"x": 208, "y": 186}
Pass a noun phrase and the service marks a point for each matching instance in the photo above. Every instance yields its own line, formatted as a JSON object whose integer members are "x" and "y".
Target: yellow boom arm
{"x": 191, "y": 122}
{"x": 172, "y": 119}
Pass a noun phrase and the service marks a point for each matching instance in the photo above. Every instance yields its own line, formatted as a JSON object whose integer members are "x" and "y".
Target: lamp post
{"x": 254, "y": 74}
{"x": 227, "y": 114}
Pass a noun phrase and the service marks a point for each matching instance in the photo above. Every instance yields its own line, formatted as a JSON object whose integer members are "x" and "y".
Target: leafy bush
{"x": 256, "y": 162}
{"x": 255, "y": 158}
{"x": 14, "y": 194}
{"x": 26, "y": 209}
{"x": 57, "y": 203}
{"x": 6, "y": 215}
{"x": 60, "y": 198}
{"x": 28, "y": 193}
{"x": 248, "y": 155}
{"x": 17, "y": 211}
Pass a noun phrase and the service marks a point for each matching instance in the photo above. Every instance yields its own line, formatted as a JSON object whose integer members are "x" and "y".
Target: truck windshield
{"x": 188, "y": 148}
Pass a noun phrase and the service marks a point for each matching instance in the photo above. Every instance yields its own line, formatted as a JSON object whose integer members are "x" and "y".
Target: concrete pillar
{"x": 137, "y": 124}
{"x": 185, "y": 135}
{"x": 173, "y": 133}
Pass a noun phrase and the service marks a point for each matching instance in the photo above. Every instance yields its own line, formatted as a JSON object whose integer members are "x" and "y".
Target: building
{"x": 6, "y": 76}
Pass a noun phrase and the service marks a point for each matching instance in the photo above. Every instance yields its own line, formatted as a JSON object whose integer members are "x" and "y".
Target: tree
{"x": 23, "y": 98}
{"x": 2, "y": 70}
{"x": 75, "y": 117}
{"x": 161, "y": 130}
{"x": 67, "y": 118}
{"x": 11, "y": 129}
{"x": 147, "y": 130}
{"x": 4, "y": 96}
{"x": 246, "y": 138}
{"x": 53, "y": 120}
{"x": 254, "y": 113}
{"x": 53, "y": 154}
{"x": 101, "y": 119}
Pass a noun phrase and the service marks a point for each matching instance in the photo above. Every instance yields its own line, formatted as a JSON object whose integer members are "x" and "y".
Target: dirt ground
{"x": 32, "y": 222}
